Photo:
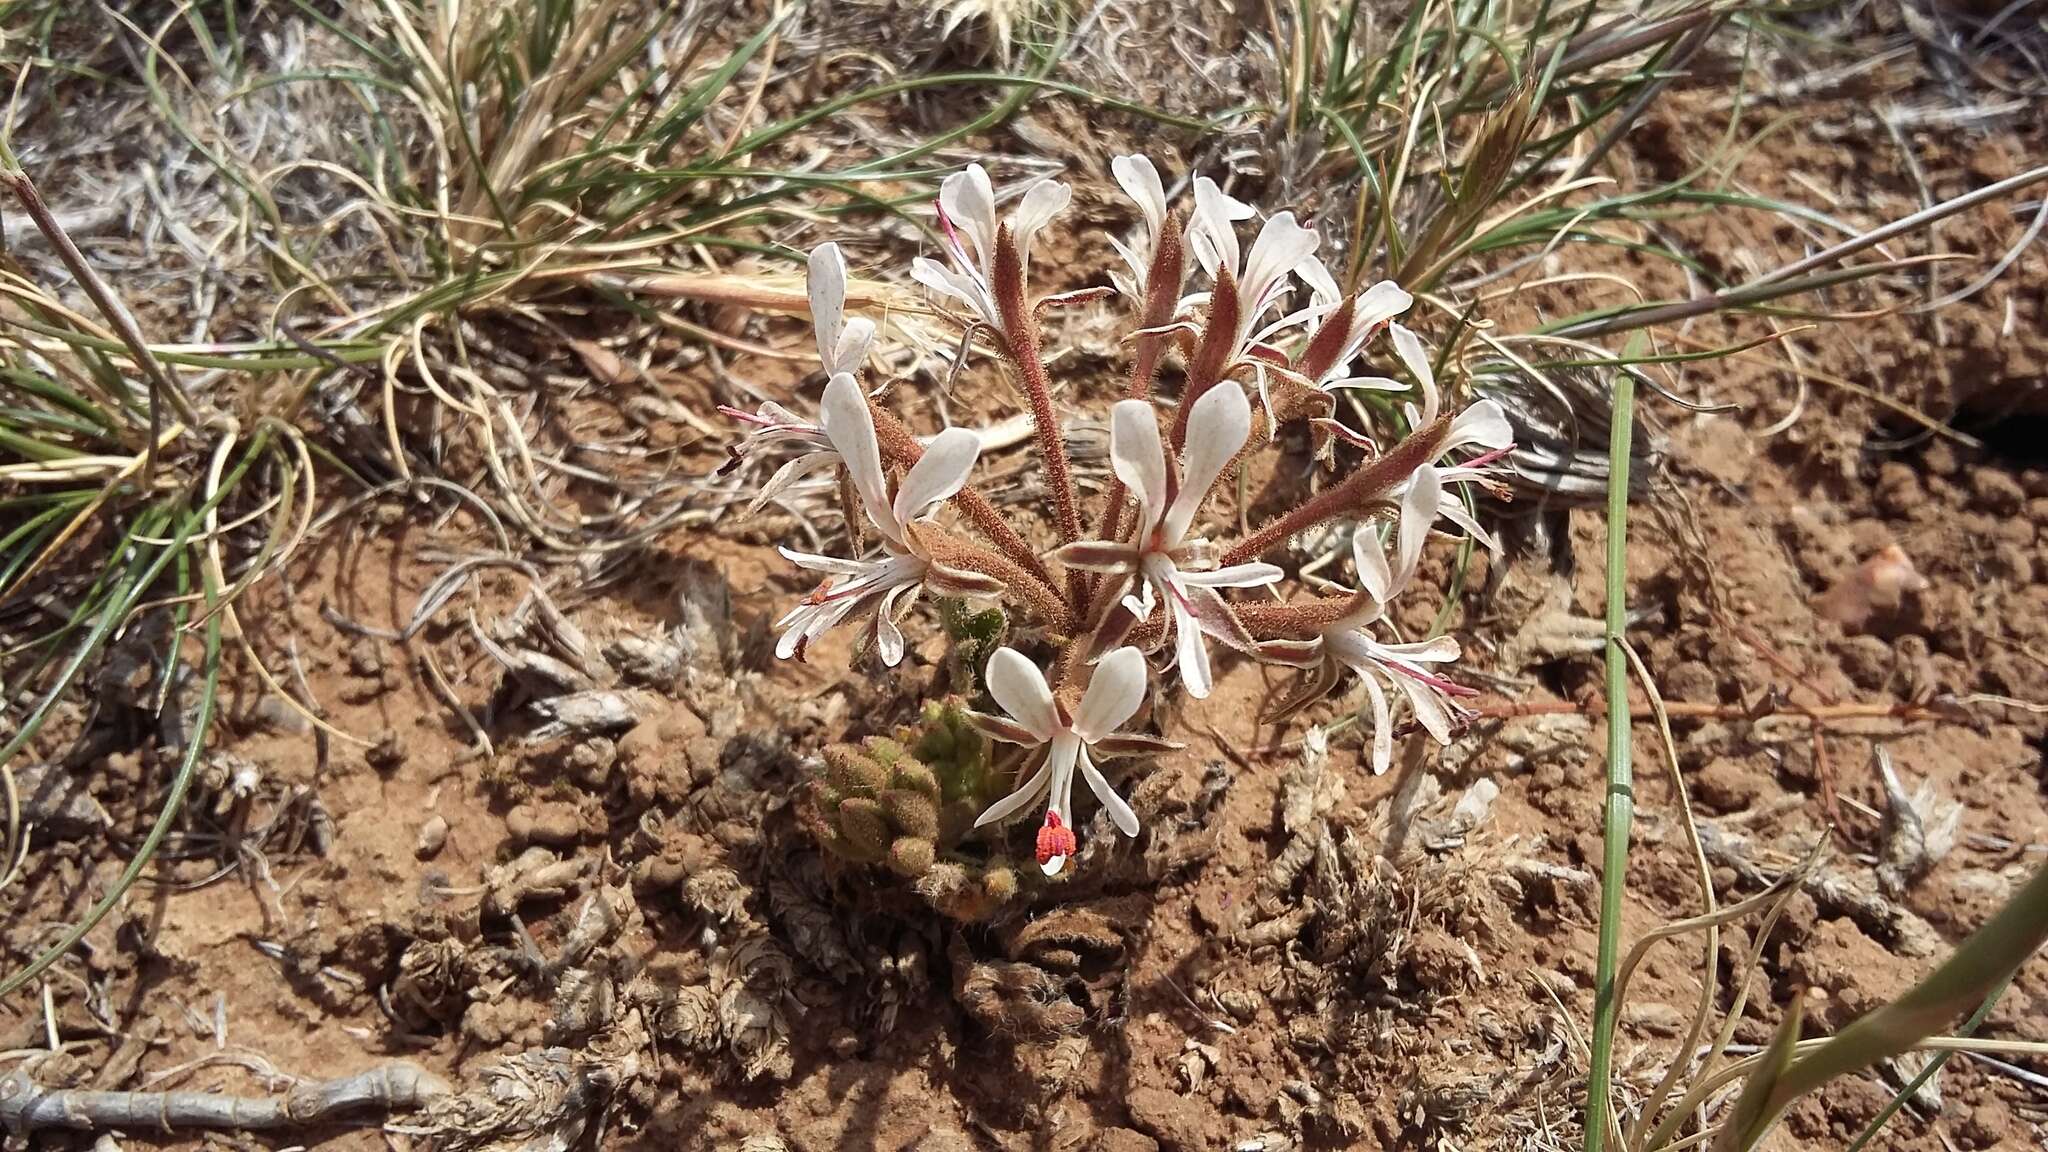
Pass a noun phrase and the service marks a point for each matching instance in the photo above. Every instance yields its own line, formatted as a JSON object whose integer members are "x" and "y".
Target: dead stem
{"x": 398, "y": 1086}
{"x": 162, "y": 385}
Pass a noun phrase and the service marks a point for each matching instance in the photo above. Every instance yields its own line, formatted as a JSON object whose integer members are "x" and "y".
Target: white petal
{"x": 1379, "y": 304}
{"x": 792, "y": 473}
{"x": 1018, "y": 800}
{"x": 1483, "y": 425}
{"x": 1455, "y": 512}
{"x": 888, "y": 637}
{"x": 852, "y": 349}
{"x": 1042, "y": 201}
{"x": 1441, "y": 650}
{"x": 1382, "y": 724}
{"x": 938, "y": 474}
{"x": 851, "y": 428}
{"x": 1139, "y": 179}
{"x": 1217, "y": 428}
{"x": 1114, "y": 692}
{"x": 833, "y": 564}
{"x": 826, "y": 286}
{"x": 1282, "y": 245}
{"x": 1253, "y": 575}
{"x": 1368, "y": 383}
{"x": 1408, "y": 347}
{"x": 1323, "y": 289}
{"x": 1120, "y": 812}
{"x": 1066, "y": 750}
{"x": 1418, "y": 512}
{"x": 969, "y": 201}
{"x": 1190, "y": 651}
{"x": 1370, "y": 557}
{"x": 1212, "y": 235}
{"x": 1020, "y": 689}
{"x": 1429, "y": 707}
{"x": 1138, "y": 458}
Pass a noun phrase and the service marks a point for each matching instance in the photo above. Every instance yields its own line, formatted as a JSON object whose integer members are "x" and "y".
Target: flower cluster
{"x": 1261, "y": 341}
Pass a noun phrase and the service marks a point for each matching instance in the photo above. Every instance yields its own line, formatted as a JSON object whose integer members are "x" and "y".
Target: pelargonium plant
{"x": 1147, "y": 587}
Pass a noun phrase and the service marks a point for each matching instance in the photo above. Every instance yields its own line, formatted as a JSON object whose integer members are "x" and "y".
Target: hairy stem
{"x": 1162, "y": 296}
{"x": 1212, "y": 356}
{"x": 1353, "y": 495}
{"x": 1295, "y": 619}
{"x": 1020, "y": 339}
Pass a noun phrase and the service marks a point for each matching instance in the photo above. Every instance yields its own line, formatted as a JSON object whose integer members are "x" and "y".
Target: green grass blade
{"x": 1620, "y": 778}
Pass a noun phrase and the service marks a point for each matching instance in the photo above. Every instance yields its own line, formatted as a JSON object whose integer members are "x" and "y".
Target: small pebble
{"x": 433, "y": 834}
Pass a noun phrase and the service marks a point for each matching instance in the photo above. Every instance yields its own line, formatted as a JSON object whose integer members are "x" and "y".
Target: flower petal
{"x": 1119, "y": 812}
{"x": 1408, "y": 347}
{"x": 1483, "y": 425}
{"x": 1114, "y": 692}
{"x": 1213, "y": 233}
{"x": 1189, "y": 651}
{"x": 1097, "y": 556}
{"x": 1282, "y": 245}
{"x": 1218, "y": 426}
{"x": 1020, "y": 689}
{"x": 1001, "y": 728}
{"x": 1379, "y": 304}
{"x": 1324, "y": 294}
{"x": 1138, "y": 457}
{"x": 851, "y": 428}
{"x": 969, "y": 201}
{"x": 1121, "y": 744}
{"x": 1216, "y": 619}
{"x": 1455, "y": 512}
{"x": 1139, "y": 179}
{"x": 1440, "y": 650}
{"x": 826, "y": 286}
{"x": 1418, "y": 512}
{"x": 938, "y": 474}
{"x": 1253, "y": 575}
{"x": 832, "y": 564}
{"x": 1293, "y": 653}
{"x": 1370, "y": 558}
{"x": 1429, "y": 708}
{"x": 1042, "y": 201}
{"x": 1382, "y": 724}
{"x": 889, "y": 637}
{"x": 851, "y": 352}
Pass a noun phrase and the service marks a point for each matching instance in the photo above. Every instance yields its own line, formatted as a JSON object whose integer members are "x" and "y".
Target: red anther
{"x": 1055, "y": 839}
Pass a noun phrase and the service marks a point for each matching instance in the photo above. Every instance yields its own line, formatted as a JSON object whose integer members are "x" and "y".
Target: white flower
{"x": 1281, "y": 248}
{"x": 1064, "y": 742}
{"x": 1483, "y": 426}
{"x": 967, "y": 216}
{"x": 1378, "y": 305}
{"x": 1170, "y": 566}
{"x": 775, "y": 427}
{"x": 1139, "y": 179}
{"x": 842, "y": 343}
{"x": 842, "y": 348}
{"x": 1349, "y": 642}
{"x": 883, "y": 585}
